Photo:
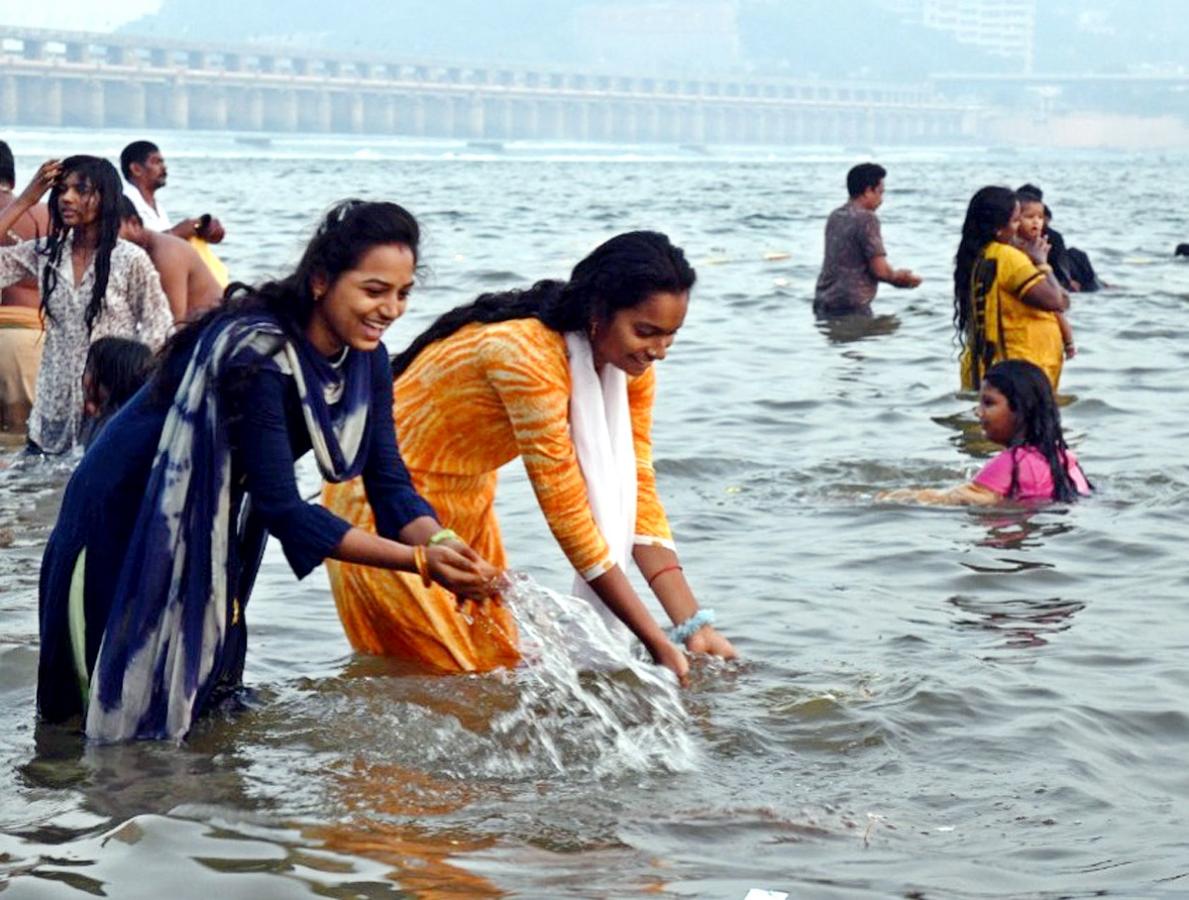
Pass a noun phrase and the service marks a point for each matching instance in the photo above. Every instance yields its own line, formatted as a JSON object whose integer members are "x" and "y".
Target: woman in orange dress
{"x": 560, "y": 375}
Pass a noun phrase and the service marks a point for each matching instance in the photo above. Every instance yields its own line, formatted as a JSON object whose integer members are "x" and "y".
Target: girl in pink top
{"x": 1016, "y": 408}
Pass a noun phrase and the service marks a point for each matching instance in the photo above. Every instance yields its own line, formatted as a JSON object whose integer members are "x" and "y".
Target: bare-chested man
{"x": 20, "y": 319}
{"x": 188, "y": 283}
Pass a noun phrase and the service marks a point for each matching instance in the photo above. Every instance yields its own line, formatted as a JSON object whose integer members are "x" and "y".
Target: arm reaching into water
{"x": 969, "y": 494}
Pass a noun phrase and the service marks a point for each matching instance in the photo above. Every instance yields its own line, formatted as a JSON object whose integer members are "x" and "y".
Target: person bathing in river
{"x": 92, "y": 285}
{"x": 1031, "y": 238}
{"x": 186, "y": 279}
{"x": 148, "y": 571}
{"x": 855, "y": 260}
{"x": 1016, "y": 408}
{"x": 560, "y": 374}
{"x": 1004, "y": 301}
{"x": 21, "y": 335}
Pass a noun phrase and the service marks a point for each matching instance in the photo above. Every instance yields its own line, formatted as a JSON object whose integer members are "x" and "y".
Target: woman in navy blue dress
{"x": 149, "y": 568}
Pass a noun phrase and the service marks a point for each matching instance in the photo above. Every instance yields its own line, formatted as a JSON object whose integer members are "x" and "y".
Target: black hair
{"x": 1031, "y": 191}
{"x": 864, "y": 176}
{"x": 1182, "y": 250}
{"x": 96, "y": 175}
{"x": 121, "y": 365}
{"x": 618, "y": 274}
{"x": 348, "y": 231}
{"x": 8, "y": 172}
{"x": 137, "y": 152}
{"x": 1023, "y": 197}
{"x": 990, "y": 209}
{"x": 1038, "y": 421}
{"x": 128, "y": 210}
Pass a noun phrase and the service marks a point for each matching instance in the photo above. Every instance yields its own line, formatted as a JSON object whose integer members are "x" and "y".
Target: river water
{"x": 930, "y": 702}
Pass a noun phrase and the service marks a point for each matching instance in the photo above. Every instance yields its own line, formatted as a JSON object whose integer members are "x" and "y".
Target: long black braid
{"x": 618, "y": 274}
{"x": 100, "y": 176}
{"x": 1038, "y": 421}
{"x": 989, "y": 210}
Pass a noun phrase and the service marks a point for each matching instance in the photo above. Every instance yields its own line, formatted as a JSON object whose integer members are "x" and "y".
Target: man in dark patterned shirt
{"x": 855, "y": 260}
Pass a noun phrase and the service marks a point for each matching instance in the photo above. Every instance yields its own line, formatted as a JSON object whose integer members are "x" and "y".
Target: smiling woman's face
{"x": 362, "y": 302}
{"x": 637, "y": 336}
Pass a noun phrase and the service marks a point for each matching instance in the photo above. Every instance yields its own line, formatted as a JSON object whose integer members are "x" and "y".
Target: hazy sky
{"x": 74, "y": 15}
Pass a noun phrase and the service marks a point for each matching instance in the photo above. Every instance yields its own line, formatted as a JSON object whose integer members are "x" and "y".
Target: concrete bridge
{"x": 61, "y": 78}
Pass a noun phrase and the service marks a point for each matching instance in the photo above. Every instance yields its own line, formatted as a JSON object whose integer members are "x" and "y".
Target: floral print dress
{"x": 134, "y": 306}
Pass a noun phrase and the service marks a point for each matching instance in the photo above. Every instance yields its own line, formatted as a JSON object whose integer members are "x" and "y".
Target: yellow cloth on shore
{"x": 217, "y": 266}
{"x": 466, "y": 406}
{"x": 1002, "y": 323}
{"x": 21, "y": 341}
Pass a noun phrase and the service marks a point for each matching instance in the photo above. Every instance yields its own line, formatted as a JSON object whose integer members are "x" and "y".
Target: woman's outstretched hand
{"x": 707, "y": 640}
{"x": 462, "y": 571}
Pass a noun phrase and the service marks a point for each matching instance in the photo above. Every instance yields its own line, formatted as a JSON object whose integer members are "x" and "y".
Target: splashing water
{"x": 580, "y": 687}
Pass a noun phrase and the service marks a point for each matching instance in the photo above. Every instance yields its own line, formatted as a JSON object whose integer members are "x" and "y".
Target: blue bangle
{"x": 679, "y": 634}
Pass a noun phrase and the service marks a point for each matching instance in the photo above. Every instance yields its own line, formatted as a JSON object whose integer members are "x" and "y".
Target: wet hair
{"x": 1030, "y": 191}
{"x": 128, "y": 211}
{"x": 620, "y": 273}
{"x": 346, "y": 233}
{"x": 1182, "y": 250}
{"x": 137, "y": 152}
{"x": 990, "y": 209}
{"x": 1038, "y": 421}
{"x": 8, "y": 172}
{"x": 97, "y": 175}
{"x": 864, "y": 176}
{"x": 1024, "y": 199}
{"x": 121, "y": 365}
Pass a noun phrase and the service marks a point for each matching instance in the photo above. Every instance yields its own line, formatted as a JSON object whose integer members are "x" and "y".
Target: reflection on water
{"x": 856, "y": 327}
{"x": 1019, "y": 623}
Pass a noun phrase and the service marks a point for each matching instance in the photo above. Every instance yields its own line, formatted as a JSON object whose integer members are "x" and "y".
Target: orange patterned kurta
{"x": 466, "y": 406}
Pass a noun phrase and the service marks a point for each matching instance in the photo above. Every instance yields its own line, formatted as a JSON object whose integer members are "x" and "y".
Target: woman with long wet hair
{"x": 1004, "y": 301}
{"x": 93, "y": 285}
{"x": 561, "y": 375}
{"x": 148, "y": 572}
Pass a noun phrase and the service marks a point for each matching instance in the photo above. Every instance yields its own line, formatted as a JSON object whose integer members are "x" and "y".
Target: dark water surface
{"x": 931, "y": 703}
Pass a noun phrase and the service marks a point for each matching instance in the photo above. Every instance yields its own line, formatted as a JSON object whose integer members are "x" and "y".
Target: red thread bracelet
{"x": 663, "y": 570}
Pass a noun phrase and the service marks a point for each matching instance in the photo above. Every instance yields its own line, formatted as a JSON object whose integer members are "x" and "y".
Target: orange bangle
{"x": 421, "y": 561}
{"x": 662, "y": 571}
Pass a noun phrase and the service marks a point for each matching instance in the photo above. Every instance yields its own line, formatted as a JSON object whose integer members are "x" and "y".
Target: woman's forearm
{"x": 614, "y": 589}
{"x": 367, "y": 549}
{"x": 662, "y": 571}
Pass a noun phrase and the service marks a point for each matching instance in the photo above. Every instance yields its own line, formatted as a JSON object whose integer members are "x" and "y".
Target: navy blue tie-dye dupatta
{"x": 168, "y": 621}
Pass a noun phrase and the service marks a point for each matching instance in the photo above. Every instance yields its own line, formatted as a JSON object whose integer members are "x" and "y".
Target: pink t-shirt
{"x": 1034, "y": 480}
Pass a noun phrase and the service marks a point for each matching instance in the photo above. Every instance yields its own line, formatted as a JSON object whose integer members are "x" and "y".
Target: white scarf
{"x": 601, "y": 428}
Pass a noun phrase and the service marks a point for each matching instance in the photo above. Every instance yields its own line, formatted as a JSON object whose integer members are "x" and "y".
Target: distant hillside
{"x": 825, "y": 38}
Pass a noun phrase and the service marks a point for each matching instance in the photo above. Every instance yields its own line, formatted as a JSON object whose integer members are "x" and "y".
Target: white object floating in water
{"x": 776, "y": 255}
{"x": 761, "y": 894}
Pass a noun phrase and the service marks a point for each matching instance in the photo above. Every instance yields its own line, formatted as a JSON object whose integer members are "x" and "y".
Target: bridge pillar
{"x": 208, "y": 107}
{"x": 280, "y": 112}
{"x": 33, "y": 49}
{"x": 177, "y": 111}
{"x": 9, "y": 107}
{"x": 85, "y": 104}
{"x": 51, "y": 101}
{"x": 314, "y": 110}
{"x": 77, "y": 51}
{"x": 117, "y": 55}
{"x": 379, "y": 113}
{"x": 476, "y": 120}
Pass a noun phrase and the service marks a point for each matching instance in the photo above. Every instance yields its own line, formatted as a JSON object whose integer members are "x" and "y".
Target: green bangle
{"x": 446, "y": 534}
